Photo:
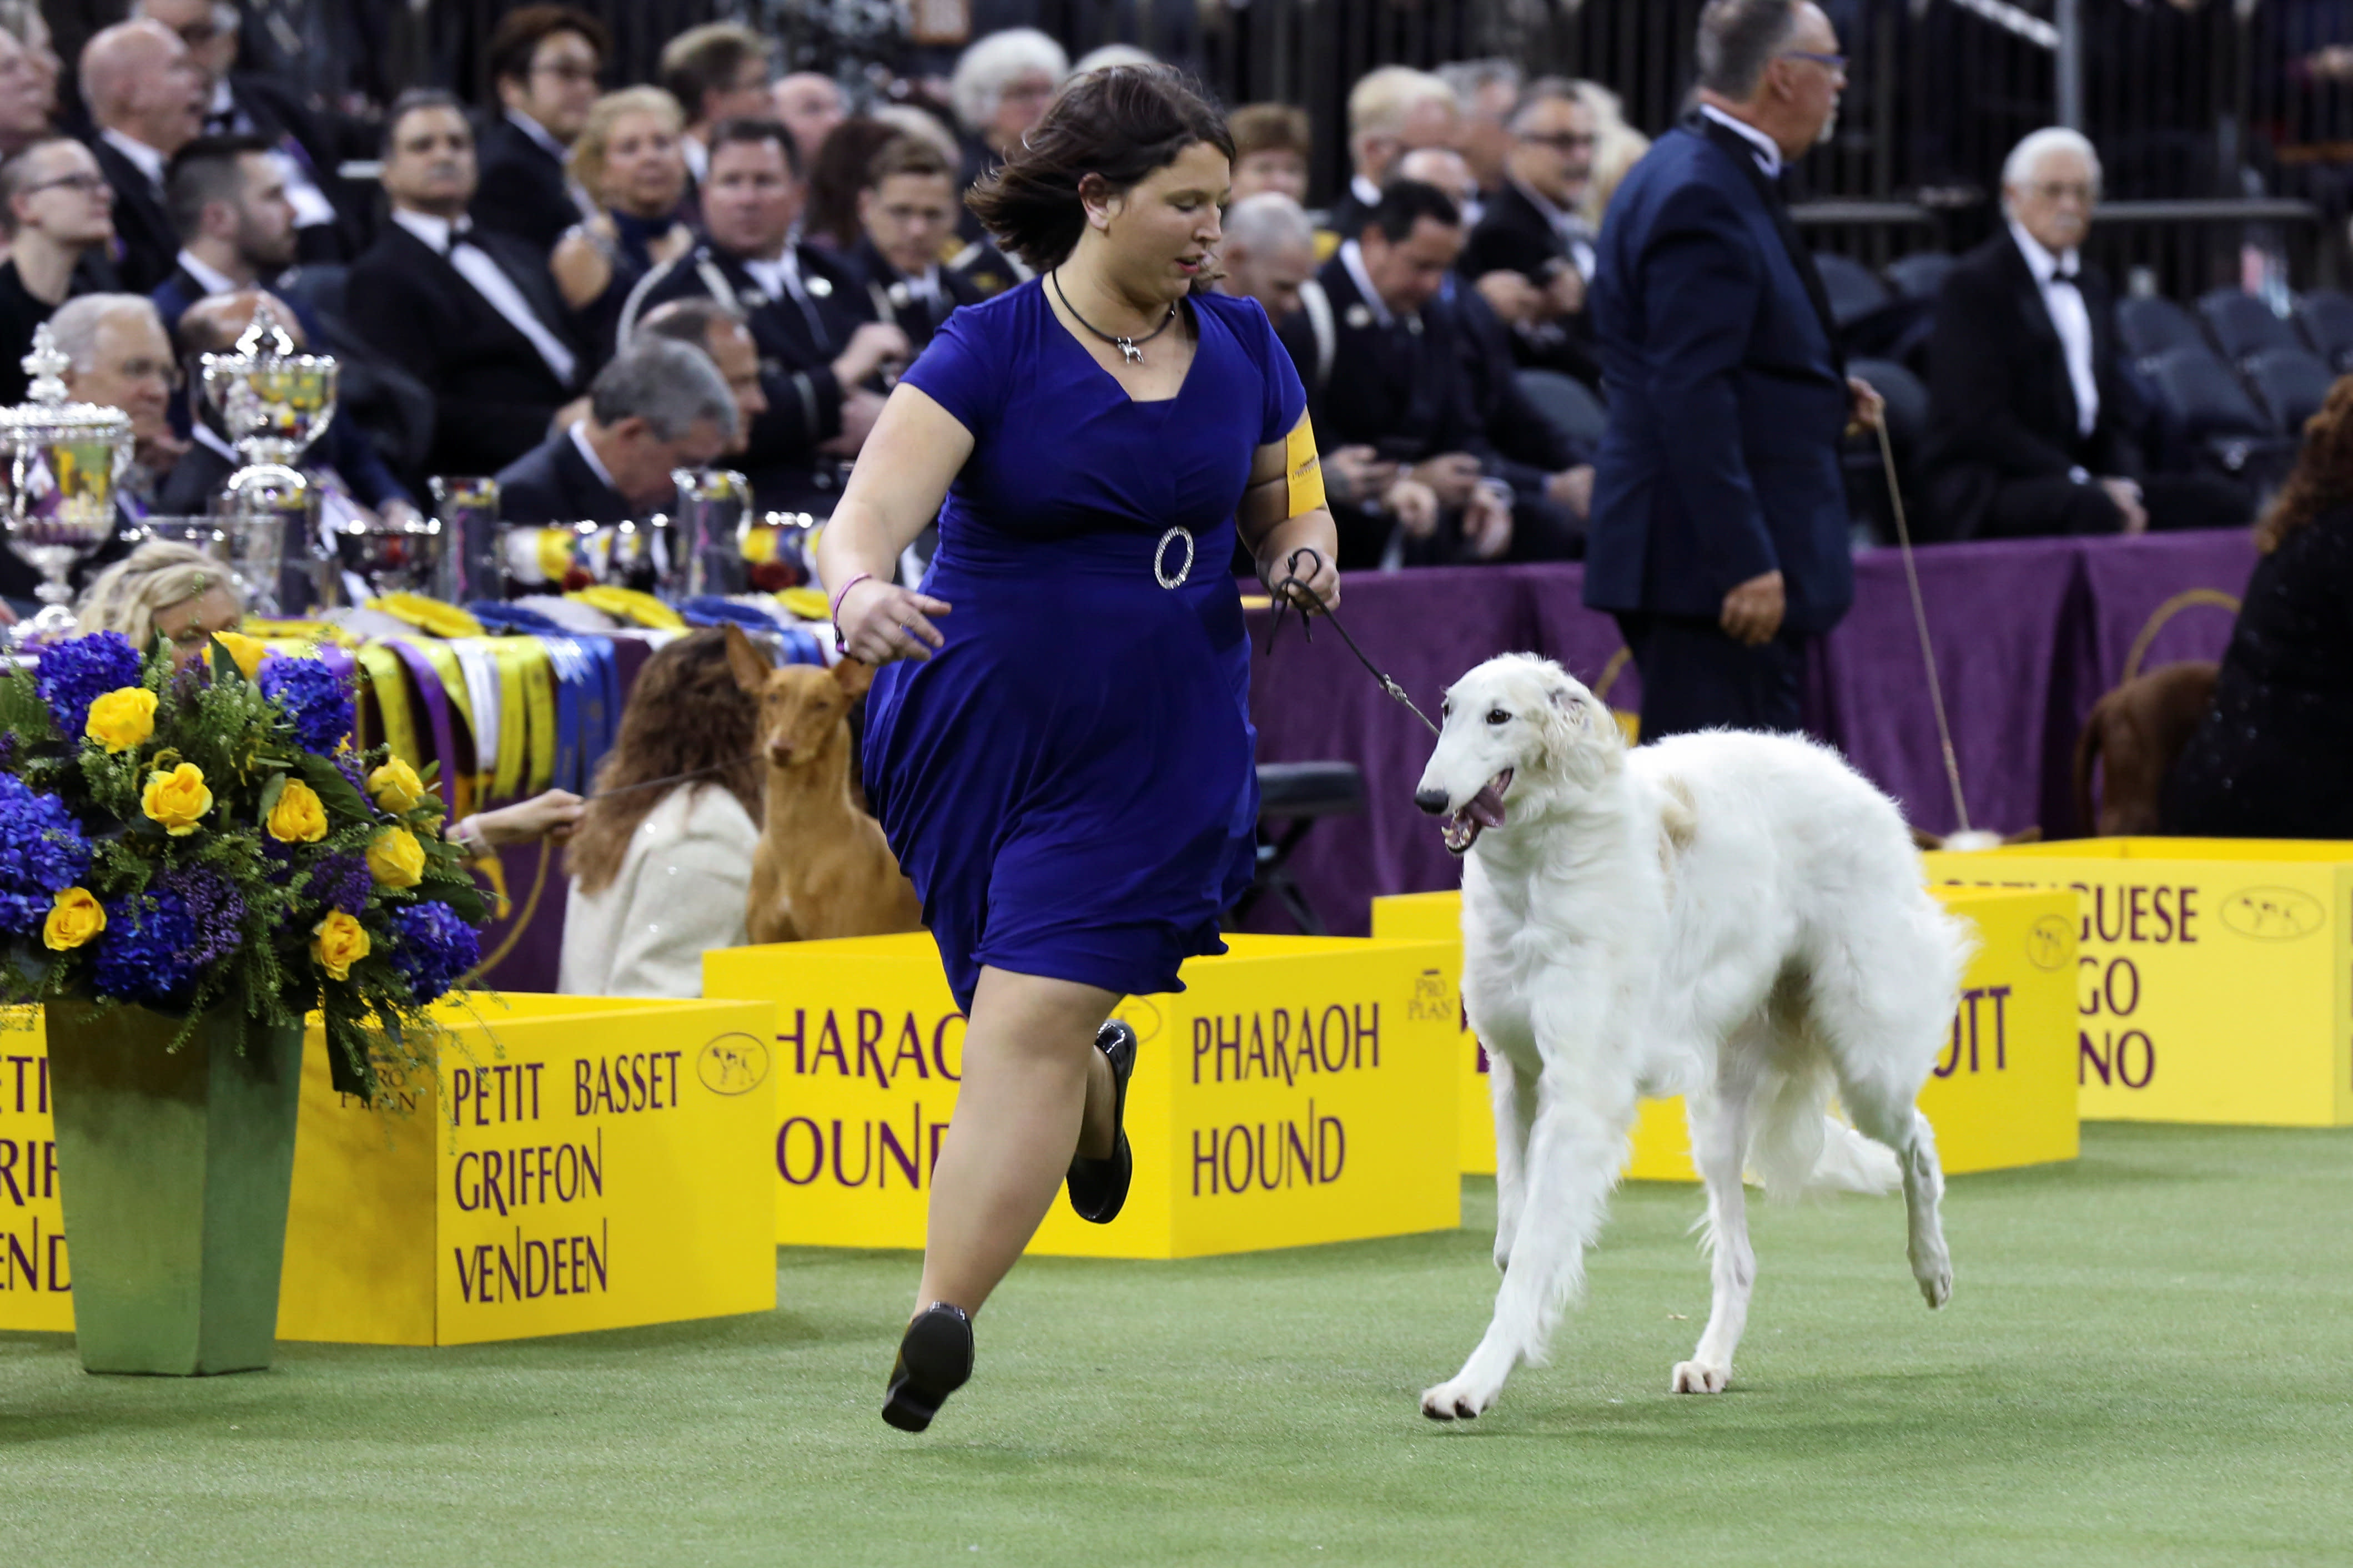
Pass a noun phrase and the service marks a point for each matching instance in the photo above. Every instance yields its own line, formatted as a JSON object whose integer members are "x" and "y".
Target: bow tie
{"x": 2066, "y": 275}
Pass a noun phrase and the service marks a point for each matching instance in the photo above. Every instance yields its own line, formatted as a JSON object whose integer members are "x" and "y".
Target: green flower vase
{"x": 173, "y": 1169}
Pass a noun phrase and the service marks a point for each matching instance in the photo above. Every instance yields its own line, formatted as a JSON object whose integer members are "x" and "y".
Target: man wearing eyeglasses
{"x": 1533, "y": 253}
{"x": 56, "y": 211}
{"x": 1719, "y": 529}
{"x": 546, "y": 61}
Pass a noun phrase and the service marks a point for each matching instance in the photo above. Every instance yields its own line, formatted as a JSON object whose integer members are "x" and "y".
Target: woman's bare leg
{"x": 1031, "y": 1077}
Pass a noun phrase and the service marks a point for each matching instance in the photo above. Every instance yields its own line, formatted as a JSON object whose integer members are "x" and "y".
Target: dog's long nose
{"x": 1432, "y": 801}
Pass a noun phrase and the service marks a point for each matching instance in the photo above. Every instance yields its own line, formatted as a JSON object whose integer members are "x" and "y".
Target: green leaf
{"x": 335, "y": 791}
{"x": 224, "y": 667}
{"x": 270, "y": 793}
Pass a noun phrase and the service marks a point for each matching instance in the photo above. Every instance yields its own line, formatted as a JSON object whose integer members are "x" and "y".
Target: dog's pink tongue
{"x": 1486, "y": 807}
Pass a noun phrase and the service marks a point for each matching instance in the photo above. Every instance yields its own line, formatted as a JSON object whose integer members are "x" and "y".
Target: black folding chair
{"x": 1299, "y": 795}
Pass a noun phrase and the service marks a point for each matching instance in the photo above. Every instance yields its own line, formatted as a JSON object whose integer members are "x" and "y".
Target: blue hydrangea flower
{"x": 214, "y": 908}
{"x": 151, "y": 951}
{"x": 70, "y": 676}
{"x": 315, "y": 700}
{"x": 435, "y": 948}
{"x": 341, "y": 882}
{"x": 42, "y": 853}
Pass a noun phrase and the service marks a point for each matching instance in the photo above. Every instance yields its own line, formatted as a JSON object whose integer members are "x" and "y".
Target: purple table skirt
{"x": 2028, "y": 637}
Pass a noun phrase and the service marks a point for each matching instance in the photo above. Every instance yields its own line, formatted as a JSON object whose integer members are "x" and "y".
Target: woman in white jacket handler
{"x": 660, "y": 874}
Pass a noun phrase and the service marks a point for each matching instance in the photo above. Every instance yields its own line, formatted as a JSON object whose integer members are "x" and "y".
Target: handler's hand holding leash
{"x": 876, "y": 621}
{"x": 1318, "y": 592}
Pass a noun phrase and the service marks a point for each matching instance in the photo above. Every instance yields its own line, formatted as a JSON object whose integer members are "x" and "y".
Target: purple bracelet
{"x": 841, "y": 642}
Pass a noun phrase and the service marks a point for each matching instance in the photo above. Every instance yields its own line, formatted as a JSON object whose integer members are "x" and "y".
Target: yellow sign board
{"x": 1999, "y": 1095}
{"x": 576, "y": 1163}
{"x": 2214, "y": 977}
{"x": 1299, "y": 1090}
{"x": 36, "y": 1278}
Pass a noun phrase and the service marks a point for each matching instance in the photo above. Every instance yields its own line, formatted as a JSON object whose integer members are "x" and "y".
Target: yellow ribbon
{"x": 555, "y": 549}
{"x": 386, "y": 678}
{"x": 443, "y": 620}
{"x": 628, "y": 604}
{"x": 463, "y": 786}
{"x": 539, "y": 708}
{"x": 506, "y": 653}
{"x": 806, "y": 604}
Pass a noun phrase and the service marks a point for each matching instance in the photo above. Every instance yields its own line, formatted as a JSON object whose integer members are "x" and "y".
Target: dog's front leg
{"x": 1719, "y": 1136}
{"x": 1514, "y": 1094}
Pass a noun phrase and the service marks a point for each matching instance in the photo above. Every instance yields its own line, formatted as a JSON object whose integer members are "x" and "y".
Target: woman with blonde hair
{"x": 630, "y": 156}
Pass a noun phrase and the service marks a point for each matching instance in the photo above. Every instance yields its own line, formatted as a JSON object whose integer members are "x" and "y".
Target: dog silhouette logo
{"x": 2050, "y": 941}
{"x": 734, "y": 1064}
{"x": 2273, "y": 914}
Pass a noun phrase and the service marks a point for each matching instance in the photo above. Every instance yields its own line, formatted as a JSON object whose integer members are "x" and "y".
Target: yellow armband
{"x": 1303, "y": 469}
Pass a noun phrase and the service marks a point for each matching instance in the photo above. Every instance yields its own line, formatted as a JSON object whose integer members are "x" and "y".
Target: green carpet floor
{"x": 2148, "y": 1360}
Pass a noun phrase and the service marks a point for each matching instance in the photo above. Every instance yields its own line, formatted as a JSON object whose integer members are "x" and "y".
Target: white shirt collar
{"x": 1352, "y": 259}
{"x": 2040, "y": 261}
{"x": 223, "y": 100}
{"x": 209, "y": 278}
{"x": 778, "y": 275}
{"x": 588, "y": 453}
{"x": 1365, "y": 191}
{"x": 148, "y": 161}
{"x": 538, "y": 132}
{"x": 435, "y": 232}
{"x": 698, "y": 158}
{"x": 204, "y": 435}
{"x": 1768, "y": 156}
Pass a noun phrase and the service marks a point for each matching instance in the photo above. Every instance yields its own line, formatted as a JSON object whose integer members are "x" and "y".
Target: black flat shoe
{"x": 1099, "y": 1187}
{"x": 935, "y": 1361}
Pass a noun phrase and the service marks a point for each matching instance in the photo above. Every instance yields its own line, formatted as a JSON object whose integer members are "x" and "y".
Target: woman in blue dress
{"x": 1058, "y": 744}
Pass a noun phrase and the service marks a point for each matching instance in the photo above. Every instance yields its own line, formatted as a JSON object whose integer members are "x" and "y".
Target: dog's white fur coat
{"x": 1736, "y": 918}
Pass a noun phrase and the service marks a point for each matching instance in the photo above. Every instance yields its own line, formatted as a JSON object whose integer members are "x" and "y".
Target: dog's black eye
{"x": 1497, "y": 716}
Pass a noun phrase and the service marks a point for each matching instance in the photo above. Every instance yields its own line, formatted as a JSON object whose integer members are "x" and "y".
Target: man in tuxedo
{"x": 719, "y": 333}
{"x": 545, "y": 62}
{"x": 717, "y": 71}
{"x": 806, "y": 311}
{"x": 55, "y": 210}
{"x": 1385, "y": 386}
{"x": 907, "y": 211}
{"x": 226, "y": 196}
{"x": 657, "y": 406}
{"x": 473, "y": 317}
{"x": 147, "y": 99}
{"x": 1532, "y": 254}
{"x": 1719, "y": 529}
{"x": 1391, "y": 111}
{"x": 2029, "y": 429}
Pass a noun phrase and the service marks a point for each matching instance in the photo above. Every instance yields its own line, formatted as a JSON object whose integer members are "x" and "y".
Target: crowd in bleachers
{"x": 482, "y": 290}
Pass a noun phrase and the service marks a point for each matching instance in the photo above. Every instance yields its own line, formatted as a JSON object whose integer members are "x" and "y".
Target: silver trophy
{"x": 64, "y": 459}
{"x": 272, "y": 403}
{"x": 472, "y": 564}
{"x": 713, "y": 507}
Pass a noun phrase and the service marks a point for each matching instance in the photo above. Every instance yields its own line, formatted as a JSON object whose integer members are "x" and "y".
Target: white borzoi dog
{"x": 1736, "y": 918}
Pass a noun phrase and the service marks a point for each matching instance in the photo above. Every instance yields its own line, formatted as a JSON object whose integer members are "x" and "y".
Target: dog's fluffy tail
{"x": 1799, "y": 1149}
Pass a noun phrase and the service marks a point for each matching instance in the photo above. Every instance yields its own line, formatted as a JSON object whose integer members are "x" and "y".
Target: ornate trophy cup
{"x": 272, "y": 403}
{"x": 63, "y": 461}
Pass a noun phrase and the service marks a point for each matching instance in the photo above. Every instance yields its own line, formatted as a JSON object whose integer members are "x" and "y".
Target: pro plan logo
{"x": 1431, "y": 999}
{"x": 2273, "y": 914}
{"x": 734, "y": 1064}
{"x": 2050, "y": 941}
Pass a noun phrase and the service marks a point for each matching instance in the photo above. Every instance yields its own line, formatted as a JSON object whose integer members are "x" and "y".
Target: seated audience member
{"x": 28, "y": 99}
{"x": 473, "y": 317}
{"x": 806, "y": 313}
{"x": 2269, "y": 760}
{"x": 342, "y": 458}
{"x": 2029, "y": 429}
{"x": 58, "y": 211}
{"x": 1268, "y": 252}
{"x": 1485, "y": 93}
{"x": 835, "y": 178}
{"x": 629, "y": 158}
{"x": 1383, "y": 370}
{"x": 1391, "y": 111}
{"x": 1272, "y": 144}
{"x": 658, "y": 406}
{"x": 1107, "y": 56}
{"x": 147, "y": 99}
{"x": 1533, "y": 253}
{"x": 248, "y": 103}
{"x": 1001, "y": 88}
{"x": 911, "y": 120}
{"x": 661, "y": 874}
{"x": 719, "y": 333}
{"x": 227, "y": 198}
{"x": 717, "y": 71}
{"x": 545, "y": 62}
{"x": 908, "y": 214}
{"x": 809, "y": 106}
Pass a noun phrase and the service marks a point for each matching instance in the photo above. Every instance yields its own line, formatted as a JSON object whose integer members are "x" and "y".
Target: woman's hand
{"x": 1306, "y": 548}
{"x": 553, "y": 814}
{"x": 878, "y": 622}
{"x": 581, "y": 270}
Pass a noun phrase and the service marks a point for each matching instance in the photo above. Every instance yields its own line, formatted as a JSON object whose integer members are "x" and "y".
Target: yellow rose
{"x": 122, "y": 720}
{"x": 338, "y": 942}
{"x": 397, "y": 788}
{"x": 395, "y": 858}
{"x": 299, "y": 818}
{"x": 75, "y": 919}
{"x": 247, "y": 651}
{"x": 177, "y": 799}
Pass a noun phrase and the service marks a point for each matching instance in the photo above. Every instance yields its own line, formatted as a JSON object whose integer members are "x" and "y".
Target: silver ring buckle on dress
{"x": 1159, "y": 556}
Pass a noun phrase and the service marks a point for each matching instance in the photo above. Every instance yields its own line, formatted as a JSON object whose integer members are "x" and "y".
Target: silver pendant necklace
{"x": 1132, "y": 349}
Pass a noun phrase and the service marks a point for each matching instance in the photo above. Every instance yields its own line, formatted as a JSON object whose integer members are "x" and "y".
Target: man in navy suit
{"x": 1719, "y": 527}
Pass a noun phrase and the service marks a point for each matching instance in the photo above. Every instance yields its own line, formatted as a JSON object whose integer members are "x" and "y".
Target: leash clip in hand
{"x": 1291, "y": 589}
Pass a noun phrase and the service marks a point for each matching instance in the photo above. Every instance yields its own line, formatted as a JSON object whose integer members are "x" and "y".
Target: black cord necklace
{"x": 1130, "y": 347}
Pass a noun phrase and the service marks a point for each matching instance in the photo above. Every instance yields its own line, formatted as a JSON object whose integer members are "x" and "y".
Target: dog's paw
{"x": 1933, "y": 1267}
{"x": 1457, "y": 1401}
{"x": 1699, "y": 1377}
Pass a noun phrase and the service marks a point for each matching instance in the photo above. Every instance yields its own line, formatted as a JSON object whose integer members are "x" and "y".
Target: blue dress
{"x": 1070, "y": 781}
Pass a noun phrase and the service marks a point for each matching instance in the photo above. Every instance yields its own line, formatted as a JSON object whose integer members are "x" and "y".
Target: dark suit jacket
{"x": 310, "y": 137}
{"x": 1727, "y": 399}
{"x": 1515, "y": 235}
{"x": 554, "y": 483}
{"x": 797, "y": 347}
{"x": 20, "y": 313}
{"x": 1518, "y": 443}
{"x": 189, "y": 488}
{"x": 1348, "y": 215}
{"x": 2002, "y": 407}
{"x": 494, "y": 394}
{"x": 145, "y": 241}
{"x": 891, "y": 299}
{"x": 1399, "y": 387}
{"x": 522, "y": 191}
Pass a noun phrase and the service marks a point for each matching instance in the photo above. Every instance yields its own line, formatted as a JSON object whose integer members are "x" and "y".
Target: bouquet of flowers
{"x": 204, "y": 840}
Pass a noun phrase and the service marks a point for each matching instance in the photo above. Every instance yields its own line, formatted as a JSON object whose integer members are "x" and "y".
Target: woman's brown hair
{"x": 2323, "y": 471}
{"x": 1119, "y": 124}
{"x": 686, "y": 713}
{"x": 838, "y": 173}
